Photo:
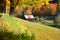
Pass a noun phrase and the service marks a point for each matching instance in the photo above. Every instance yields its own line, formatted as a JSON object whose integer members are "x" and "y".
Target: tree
{"x": 13, "y": 4}
{"x": 2, "y": 6}
{"x": 57, "y": 15}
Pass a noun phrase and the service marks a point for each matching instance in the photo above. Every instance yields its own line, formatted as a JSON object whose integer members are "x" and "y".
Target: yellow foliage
{"x": 7, "y": 2}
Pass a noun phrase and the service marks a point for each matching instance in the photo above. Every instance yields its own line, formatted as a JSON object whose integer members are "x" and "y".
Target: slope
{"x": 40, "y": 31}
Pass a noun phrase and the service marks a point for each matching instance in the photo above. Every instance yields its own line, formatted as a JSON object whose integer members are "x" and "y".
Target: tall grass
{"x": 11, "y": 29}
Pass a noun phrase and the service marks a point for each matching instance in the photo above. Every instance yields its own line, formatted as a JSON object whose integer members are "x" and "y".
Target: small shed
{"x": 29, "y": 17}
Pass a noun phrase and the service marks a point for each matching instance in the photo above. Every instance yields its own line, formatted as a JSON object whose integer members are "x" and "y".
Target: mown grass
{"x": 38, "y": 30}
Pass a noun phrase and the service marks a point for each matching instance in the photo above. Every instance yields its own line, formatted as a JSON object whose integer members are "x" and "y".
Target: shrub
{"x": 57, "y": 20}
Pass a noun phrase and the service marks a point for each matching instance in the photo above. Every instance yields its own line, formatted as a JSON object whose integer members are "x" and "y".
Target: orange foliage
{"x": 8, "y": 2}
{"x": 37, "y": 10}
{"x": 29, "y": 10}
{"x": 53, "y": 6}
{"x": 18, "y": 7}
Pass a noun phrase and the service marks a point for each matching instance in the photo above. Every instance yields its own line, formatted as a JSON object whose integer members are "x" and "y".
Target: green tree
{"x": 57, "y": 17}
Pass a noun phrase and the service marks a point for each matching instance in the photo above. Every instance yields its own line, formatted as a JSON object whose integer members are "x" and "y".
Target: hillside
{"x": 40, "y": 31}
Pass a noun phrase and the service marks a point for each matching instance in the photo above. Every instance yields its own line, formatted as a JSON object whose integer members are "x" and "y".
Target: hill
{"x": 40, "y": 31}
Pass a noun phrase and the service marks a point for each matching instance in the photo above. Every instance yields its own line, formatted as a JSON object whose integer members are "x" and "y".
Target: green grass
{"x": 11, "y": 29}
{"x": 42, "y": 32}
{"x": 39, "y": 31}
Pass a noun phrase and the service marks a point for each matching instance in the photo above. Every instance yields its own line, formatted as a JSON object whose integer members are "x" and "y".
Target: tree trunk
{"x": 2, "y": 6}
{"x": 13, "y": 6}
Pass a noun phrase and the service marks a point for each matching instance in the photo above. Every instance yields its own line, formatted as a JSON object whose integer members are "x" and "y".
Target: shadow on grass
{"x": 11, "y": 36}
{"x": 54, "y": 26}
{"x": 51, "y": 25}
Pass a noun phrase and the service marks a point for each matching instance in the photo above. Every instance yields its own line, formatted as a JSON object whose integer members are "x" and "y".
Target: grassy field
{"x": 40, "y": 31}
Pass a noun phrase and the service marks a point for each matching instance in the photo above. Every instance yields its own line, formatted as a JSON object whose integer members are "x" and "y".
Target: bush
{"x": 57, "y": 20}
